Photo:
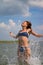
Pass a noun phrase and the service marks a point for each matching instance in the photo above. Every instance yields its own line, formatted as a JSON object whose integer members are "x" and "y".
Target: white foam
{"x": 33, "y": 60}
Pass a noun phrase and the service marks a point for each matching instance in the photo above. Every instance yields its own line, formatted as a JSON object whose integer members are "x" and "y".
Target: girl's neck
{"x": 24, "y": 28}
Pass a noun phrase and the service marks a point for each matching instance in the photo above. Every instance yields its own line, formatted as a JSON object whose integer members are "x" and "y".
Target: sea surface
{"x": 8, "y": 53}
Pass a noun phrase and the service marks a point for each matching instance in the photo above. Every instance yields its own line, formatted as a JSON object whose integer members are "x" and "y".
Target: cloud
{"x": 18, "y": 7}
{"x": 11, "y": 22}
{"x": 11, "y": 26}
{"x": 7, "y": 26}
{"x": 14, "y": 7}
{"x": 3, "y": 25}
{"x": 38, "y": 3}
{"x": 40, "y": 27}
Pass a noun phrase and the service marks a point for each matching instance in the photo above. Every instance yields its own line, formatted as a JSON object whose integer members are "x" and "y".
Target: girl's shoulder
{"x": 29, "y": 30}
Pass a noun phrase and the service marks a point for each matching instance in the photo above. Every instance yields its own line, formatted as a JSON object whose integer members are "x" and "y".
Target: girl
{"x": 23, "y": 45}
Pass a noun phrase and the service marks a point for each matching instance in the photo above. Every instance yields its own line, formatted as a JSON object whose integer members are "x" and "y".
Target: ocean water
{"x": 8, "y": 53}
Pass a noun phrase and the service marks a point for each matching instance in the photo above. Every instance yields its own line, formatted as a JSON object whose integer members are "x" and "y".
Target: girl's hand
{"x": 11, "y": 34}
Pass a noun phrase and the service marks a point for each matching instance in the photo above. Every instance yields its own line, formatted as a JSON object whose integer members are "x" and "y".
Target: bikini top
{"x": 23, "y": 34}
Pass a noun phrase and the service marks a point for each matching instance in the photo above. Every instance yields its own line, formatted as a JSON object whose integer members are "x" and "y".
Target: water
{"x": 8, "y": 53}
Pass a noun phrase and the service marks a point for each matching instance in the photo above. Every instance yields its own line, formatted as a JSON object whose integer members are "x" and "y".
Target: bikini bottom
{"x": 22, "y": 48}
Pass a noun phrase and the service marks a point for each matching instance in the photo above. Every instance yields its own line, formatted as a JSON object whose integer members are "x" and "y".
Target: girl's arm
{"x": 36, "y": 34}
{"x": 12, "y": 35}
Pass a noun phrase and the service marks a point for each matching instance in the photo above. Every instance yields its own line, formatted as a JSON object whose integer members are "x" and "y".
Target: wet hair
{"x": 28, "y": 24}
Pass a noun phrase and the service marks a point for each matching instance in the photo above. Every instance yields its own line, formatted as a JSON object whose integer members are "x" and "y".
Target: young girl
{"x": 23, "y": 45}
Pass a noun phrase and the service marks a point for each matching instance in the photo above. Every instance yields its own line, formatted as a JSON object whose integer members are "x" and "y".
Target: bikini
{"x": 21, "y": 48}
{"x": 23, "y": 34}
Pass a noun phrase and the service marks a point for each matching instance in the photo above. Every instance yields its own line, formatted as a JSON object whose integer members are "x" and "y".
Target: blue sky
{"x": 14, "y": 12}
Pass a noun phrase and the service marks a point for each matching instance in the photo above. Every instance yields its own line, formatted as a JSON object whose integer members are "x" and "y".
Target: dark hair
{"x": 28, "y": 24}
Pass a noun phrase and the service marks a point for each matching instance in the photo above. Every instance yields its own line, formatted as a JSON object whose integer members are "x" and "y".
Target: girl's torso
{"x": 23, "y": 38}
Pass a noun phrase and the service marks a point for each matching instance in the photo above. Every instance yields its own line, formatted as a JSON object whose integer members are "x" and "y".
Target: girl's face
{"x": 24, "y": 24}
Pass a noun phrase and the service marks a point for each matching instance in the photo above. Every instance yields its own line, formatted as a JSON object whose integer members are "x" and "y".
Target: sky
{"x": 14, "y": 12}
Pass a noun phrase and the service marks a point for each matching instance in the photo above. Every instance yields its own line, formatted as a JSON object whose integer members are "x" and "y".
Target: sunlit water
{"x": 8, "y": 53}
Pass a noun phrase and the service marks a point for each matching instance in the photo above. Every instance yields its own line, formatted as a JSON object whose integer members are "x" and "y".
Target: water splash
{"x": 35, "y": 53}
{"x": 4, "y": 60}
{"x": 34, "y": 59}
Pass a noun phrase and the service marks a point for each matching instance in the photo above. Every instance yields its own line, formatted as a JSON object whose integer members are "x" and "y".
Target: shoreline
{"x": 8, "y": 41}
{"x": 13, "y": 41}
